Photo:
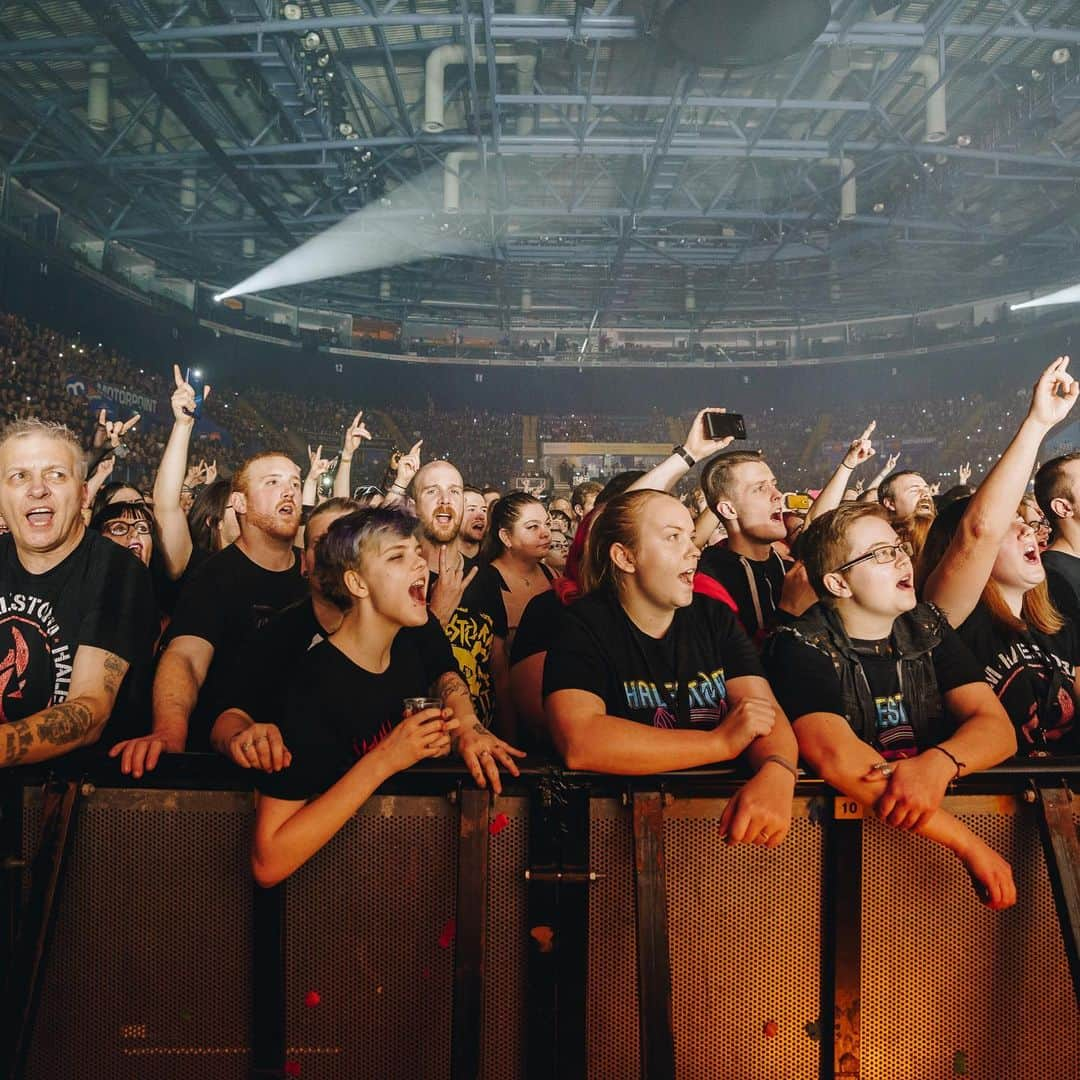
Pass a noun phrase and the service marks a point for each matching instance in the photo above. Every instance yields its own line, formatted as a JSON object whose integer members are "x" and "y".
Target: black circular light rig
{"x": 742, "y": 33}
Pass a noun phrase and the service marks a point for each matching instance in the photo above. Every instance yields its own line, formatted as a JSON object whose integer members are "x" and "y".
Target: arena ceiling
{"x": 923, "y": 154}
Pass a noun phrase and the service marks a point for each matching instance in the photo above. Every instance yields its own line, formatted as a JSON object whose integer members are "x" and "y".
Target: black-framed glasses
{"x": 881, "y": 555}
{"x": 1039, "y": 525}
{"x": 121, "y": 530}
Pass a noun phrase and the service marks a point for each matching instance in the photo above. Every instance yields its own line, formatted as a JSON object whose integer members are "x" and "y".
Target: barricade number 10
{"x": 847, "y": 809}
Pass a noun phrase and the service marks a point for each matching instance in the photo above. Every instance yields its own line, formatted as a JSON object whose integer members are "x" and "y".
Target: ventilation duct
{"x": 452, "y": 179}
{"x": 97, "y": 96}
{"x": 384, "y": 286}
{"x": 847, "y": 185}
{"x": 441, "y": 58}
{"x": 526, "y": 299}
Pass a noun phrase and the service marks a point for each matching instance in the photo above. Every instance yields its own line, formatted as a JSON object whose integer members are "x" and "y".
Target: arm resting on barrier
{"x": 760, "y": 811}
{"x": 845, "y": 762}
{"x": 180, "y": 675}
{"x": 983, "y": 738}
{"x": 593, "y": 741}
{"x": 288, "y": 832}
{"x": 249, "y": 744}
{"x": 96, "y": 676}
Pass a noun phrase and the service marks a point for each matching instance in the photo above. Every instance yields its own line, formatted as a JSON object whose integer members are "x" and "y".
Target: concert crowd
{"x": 844, "y": 602}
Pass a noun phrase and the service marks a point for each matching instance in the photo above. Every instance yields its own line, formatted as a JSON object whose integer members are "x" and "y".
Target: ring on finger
{"x": 247, "y": 746}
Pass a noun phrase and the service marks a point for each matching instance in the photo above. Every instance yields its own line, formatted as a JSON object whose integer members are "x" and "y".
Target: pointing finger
{"x": 177, "y": 377}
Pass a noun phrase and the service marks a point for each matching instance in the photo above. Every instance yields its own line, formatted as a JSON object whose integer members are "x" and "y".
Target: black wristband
{"x": 959, "y": 764}
{"x": 685, "y": 455}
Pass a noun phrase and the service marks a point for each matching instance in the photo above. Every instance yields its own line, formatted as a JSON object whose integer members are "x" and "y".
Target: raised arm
{"x": 96, "y": 675}
{"x": 169, "y": 482}
{"x": 890, "y": 464}
{"x": 355, "y": 433}
{"x": 697, "y": 444}
{"x": 957, "y": 582}
{"x": 407, "y": 467}
{"x": 832, "y": 494}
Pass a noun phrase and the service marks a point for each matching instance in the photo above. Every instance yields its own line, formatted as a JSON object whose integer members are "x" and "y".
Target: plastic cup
{"x": 418, "y": 704}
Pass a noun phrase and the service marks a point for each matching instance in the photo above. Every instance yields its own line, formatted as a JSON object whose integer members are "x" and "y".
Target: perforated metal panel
{"x": 505, "y": 1015}
{"x": 948, "y": 987}
{"x": 613, "y": 1044}
{"x": 149, "y": 974}
{"x": 745, "y": 940}
{"x": 367, "y": 924}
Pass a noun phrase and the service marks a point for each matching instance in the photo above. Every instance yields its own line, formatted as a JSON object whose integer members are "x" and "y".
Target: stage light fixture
{"x": 345, "y": 128}
{"x": 311, "y": 40}
{"x": 879, "y": 208}
{"x": 292, "y": 12}
{"x": 323, "y": 59}
{"x": 1060, "y": 56}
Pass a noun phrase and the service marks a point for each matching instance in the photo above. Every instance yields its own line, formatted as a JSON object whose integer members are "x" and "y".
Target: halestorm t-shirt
{"x": 805, "y": 681}
{"x": 335, "y": 711}
{"x": 227, "y": 599}
{"x": 599, "y": 649}
{"x": 1032, "y": 674}
{"x": 99, "y": 596}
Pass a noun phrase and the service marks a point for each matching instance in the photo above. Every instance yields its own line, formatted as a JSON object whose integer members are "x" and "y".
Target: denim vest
{"x": 914, "y": 635}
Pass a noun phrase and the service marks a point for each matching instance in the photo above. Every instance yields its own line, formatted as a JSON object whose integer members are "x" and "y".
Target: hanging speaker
{"x": 742, "y": 33}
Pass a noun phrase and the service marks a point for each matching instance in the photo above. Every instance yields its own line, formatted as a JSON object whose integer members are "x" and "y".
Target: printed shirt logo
{"x": 471, "y": 639}
{"x": 895, "y": 735}
{"x": 707, "y": 694}
{"x": 35, "y": 665}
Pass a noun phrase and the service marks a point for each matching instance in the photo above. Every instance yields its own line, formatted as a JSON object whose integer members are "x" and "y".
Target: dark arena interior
{"x": 376, "y": 372}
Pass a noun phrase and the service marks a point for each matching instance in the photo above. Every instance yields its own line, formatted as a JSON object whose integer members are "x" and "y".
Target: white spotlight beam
{"x": 370, "y": 239}
{"x": 1063, "y": 296}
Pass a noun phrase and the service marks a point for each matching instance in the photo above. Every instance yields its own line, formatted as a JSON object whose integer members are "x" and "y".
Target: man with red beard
{"x": 230, "y": 596}
{"x": 471, "y": 611}
{"x": 906, "y": 495}
{"x": 473, "y": 523}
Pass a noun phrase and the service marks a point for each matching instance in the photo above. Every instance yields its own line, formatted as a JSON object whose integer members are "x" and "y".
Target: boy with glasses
{"x": 888, "y": 705}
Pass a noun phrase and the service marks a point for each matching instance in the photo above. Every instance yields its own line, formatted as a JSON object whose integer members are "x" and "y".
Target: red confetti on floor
{"x": 292, "y": 1068}
{"x": 312, "y": 998}
{"x": 498, "y": 823}
{"x": 770, "y": 1028}
{"x": 446, "y": 938}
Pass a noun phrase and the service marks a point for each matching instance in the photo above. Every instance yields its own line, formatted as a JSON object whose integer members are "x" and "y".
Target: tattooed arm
{"x": 480, "y": 749}
{"x": 96, "y": 676}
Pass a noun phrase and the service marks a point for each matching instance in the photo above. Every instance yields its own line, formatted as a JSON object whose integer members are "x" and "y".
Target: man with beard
{"x": 230, "y": 596}
{"x": 741, "y": 491}
{"x": 906, "y": 495}
{"x": 470, "y": 610}
{"x": 473, "y": 523}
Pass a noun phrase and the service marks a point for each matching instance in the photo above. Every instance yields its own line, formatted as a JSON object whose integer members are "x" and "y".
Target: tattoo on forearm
{"x": 115, "y": 670}
{"x": 451, "y": 684}
{"x": 62, "y": 725}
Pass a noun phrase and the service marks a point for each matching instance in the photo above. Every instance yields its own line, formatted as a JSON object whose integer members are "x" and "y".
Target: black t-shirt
{"x": 226, "y": 600}
{"x": 730, "y": 569}
{"x": 99, "y": 596}
{"x": 1032, "y": 674}
{"x": 600, "y": 650}
{"x": 479, "y": 619}
{"x": 538, "y": 627}
{"x": 275, "y": 647}
{"x": 1063, "y": 581}
{"x": 805, "y": 681}
{"x": 333, "y": 711}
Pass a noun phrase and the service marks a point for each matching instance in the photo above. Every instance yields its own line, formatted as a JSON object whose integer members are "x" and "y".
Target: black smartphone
{"x": 194, "y": 378}
{"x": 721, "y": 425}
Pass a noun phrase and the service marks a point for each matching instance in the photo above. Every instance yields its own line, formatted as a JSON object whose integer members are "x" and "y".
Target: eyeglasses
{"x": 881, "y": 555}
{"x": 1039, "y": 525}
{"x": 121, "y": 530}
{"x": 559, "y": 546}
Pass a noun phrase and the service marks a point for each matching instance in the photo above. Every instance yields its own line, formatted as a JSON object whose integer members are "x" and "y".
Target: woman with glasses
{"x": 558, "y": 550}
{"x": 888, "y": 705}
{"x": 983, "y": 567}
{"x": 1033, "y": 517}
